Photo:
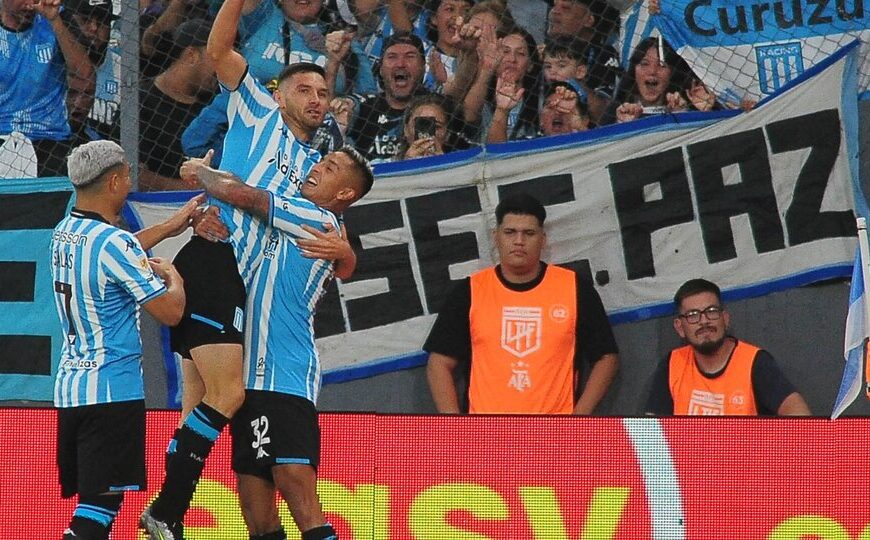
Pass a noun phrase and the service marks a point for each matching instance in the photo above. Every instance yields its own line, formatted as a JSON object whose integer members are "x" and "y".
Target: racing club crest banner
{"x": 757, "y": 202}
{"x": 751, "y": 49}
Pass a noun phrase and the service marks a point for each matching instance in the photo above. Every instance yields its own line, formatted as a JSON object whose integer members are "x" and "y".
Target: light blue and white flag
{"x": 750, "y": 51}
{"x": 855, "y": 342}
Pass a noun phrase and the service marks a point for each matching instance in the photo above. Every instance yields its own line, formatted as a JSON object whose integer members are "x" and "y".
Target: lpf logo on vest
{"x": 705, "y": 403}
{"x": 521, "y": 330}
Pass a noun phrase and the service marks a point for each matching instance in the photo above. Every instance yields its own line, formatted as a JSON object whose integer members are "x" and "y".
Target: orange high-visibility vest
{"x": 522, "y": 344}
{"x": 729, "y": 393}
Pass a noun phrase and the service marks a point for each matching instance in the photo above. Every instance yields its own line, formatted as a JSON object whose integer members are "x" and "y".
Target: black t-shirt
{"x": 770, "y": 386}
{"x": 162, "y": 120}
{"x": 376, "y": 130}
{"x": 451, "y": 334}
{"x": 603, "y": 69}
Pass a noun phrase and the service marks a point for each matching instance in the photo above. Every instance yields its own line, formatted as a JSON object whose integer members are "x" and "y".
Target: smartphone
{"x": 424, "y": 126}
{"x": 647, "y": 111}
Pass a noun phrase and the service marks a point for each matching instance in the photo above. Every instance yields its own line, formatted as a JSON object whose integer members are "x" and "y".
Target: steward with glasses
{"x": 716, "y": 373}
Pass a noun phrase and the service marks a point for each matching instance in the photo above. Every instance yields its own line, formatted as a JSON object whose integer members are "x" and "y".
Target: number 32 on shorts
{"x": 260, "y": 428}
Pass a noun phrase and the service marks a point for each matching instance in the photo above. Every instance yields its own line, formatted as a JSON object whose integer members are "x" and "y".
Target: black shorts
{"x": 274, "y": 429}
{"x": 215, "y": 297}
{"x": 101, "y": 448}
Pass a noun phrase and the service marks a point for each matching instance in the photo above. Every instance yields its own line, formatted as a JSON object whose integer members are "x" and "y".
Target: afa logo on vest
{"x": 521, "y": 330}
{"x": 520, "y": 379}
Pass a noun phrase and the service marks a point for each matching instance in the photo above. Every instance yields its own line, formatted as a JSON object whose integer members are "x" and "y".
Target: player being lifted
{"x": 265, "y": 146}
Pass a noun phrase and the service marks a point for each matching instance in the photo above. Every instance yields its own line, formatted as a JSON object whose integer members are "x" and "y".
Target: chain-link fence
{"x": 403, "y": 78}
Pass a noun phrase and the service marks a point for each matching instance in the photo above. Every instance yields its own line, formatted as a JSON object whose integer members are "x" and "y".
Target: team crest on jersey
{"x": 521, "y": 330}
{"x": 777, "y": 65}
{"x": 271, "y": 246}
{"x": 143, "y": 262}
{"x": 43, "y": 53}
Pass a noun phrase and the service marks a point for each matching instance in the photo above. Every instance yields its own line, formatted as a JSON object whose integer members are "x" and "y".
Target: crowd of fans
{"x": 408, "y": 78}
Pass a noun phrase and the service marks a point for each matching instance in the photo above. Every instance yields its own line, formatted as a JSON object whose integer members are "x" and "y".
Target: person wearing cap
{"x": 374, "y": 121}
{"x": 92, "y": 25}
{"x": 169, "y": 102}
{"x": 93, "y": 105}
{"x": 714, "y": 373}
{"x": 39, "y": 51}
{"x": 101, "y": 276}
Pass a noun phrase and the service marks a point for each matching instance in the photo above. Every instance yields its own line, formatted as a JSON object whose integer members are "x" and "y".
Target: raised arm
{"x": 400, "y": 16}
{"x": 489, "y": 56}
{"x": 74, "y": 53}
{"x": 171, "y": 17}
{"x": 467, "y": 61}
{"x": 507, "y": 96}
{"x": 229, "y": 65}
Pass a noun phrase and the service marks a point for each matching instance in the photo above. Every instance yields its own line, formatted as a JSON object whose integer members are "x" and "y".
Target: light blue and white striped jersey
{"x": 636, "y": 24}
{"x": 280, "y": 355}
{"x": 101, "y": 274}
{"x": 263, "y": 153}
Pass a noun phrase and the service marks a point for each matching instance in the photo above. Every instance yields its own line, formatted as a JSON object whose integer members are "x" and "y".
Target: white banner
{"x": 756, "y": 202}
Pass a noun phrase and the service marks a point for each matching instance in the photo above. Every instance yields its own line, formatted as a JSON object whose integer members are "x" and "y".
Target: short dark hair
{"x": 696, "y": 286}
{"x": 522, "y": 204}
{"x": 300, "y": 67}
{"x": 565, "y": 46}
{"x": 363, "y": 167}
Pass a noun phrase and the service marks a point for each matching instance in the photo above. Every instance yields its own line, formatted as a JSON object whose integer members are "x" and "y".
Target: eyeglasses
{"x": 694, "y": 316}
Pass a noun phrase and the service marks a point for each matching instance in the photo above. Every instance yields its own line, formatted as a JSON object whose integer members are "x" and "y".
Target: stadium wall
{"x": 509, "y": 477}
